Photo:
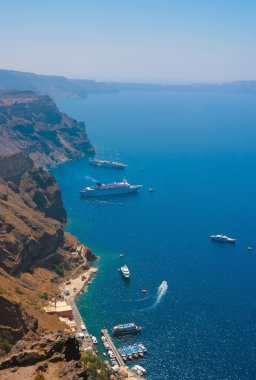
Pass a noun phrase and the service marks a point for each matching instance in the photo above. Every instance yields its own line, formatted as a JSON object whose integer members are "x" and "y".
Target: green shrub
{"x": 6, "y": 341}
{"x": 2, "y": 290}
{"x": 59, "y": 270}
{"x": 44, "y": 296}
{"x": 39, "y": 376}
{"x": 97, "y": 369}
{"x": 18, "y": 290}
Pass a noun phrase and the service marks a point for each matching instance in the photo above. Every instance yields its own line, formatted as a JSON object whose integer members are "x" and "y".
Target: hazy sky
{"x": 131, "y": 40}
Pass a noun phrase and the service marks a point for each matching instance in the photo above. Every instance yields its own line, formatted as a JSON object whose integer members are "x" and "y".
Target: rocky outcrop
{"x": 90, "y": 256}
{"x": 61, "y": 345}
{"x": 13, "y": 166}
{"x": 31, "y": 214}
{"x": 33, "y": 123}
{"x": 15, "y": 320}
{"x": 42, "y": 352}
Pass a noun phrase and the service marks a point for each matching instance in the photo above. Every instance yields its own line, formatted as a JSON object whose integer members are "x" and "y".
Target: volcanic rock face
{"x": 43, "y": 353}
{"x": 33, "y": 123}
{"x": 15, "y": 320}
{"x": 31, "y": 214}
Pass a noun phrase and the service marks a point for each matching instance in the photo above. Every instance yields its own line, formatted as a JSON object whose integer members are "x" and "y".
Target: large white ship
{"x": 125, "y": 271}
{"x": 223, "y": 238}
{"x": 116, "y": 188}
{"x": 106, "y": 163}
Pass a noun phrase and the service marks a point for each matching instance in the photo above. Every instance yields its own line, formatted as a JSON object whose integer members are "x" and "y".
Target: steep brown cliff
{"x": 32, "y": 123}
{"x": 31, "y": 214}
{"x": 35, "y": 251}
{"x": 32, "y": 239}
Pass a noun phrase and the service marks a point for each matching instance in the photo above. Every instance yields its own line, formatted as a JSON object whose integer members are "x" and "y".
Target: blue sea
{"x": 198, "y": 152}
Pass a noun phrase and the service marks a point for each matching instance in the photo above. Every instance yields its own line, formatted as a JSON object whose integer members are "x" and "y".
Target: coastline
{"x": 76, "y": 286}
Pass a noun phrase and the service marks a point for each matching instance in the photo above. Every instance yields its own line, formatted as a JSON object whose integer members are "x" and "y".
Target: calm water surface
{"x": 198, "y": 152}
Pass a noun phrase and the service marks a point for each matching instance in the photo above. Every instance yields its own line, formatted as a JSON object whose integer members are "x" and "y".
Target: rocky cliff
{"x": 32, "y": 123}
{"x": 35, "y": 251}
{"x": 32, "y": 239}
{"x": 31, "y": 214}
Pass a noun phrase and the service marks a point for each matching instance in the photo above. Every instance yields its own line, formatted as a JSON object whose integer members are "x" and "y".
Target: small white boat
{"x": 223, "y": 238}
{"x": 139, "y": 370}
{"x": 125, "y": 271}
{"x": 94, "y": 340}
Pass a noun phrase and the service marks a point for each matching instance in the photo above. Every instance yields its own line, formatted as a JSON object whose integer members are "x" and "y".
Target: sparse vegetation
{"x": 18, "y": 290}
{"x": 39, "y": 376}
{"x": 6, "y": 341}
{"x": 44, "y": 296}
{"x": 59, "y": 270}
{"x": 97, "y": 369}
{"x": 2, "y": 290}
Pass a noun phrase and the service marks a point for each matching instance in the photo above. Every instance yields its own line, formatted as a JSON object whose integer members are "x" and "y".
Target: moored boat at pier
{"x": 125, "y": 329}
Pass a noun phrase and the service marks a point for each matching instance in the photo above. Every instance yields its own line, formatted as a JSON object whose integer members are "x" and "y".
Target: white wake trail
{"x": 91, "y": 178}
{"x": 161, "y": 291}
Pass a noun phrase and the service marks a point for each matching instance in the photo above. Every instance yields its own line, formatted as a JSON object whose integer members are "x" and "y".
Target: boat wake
{"x": 91, "y": 178}
{"x": 140, "y": 299}
{"x": 161, "y": 291}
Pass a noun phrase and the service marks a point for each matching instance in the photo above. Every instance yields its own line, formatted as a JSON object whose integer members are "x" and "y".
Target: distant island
{"x": 62, "y": 87}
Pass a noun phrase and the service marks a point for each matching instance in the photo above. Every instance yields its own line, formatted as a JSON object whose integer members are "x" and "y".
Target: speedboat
{"x": 133, "y": 351}
{"x": 128, "y": 353}
{"x": 140, "y": 351}
{"x": 223, "y": 238}
{"x": 139, "y": 370}
{"x": 141, "y": 345}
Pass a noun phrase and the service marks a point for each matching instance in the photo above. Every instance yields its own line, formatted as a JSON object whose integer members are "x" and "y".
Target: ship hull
{"x": 108, "y": 192}
{"x": 111, "y": 166}
{"x": 224, "y": 240}
{"x": 126, "y": 332}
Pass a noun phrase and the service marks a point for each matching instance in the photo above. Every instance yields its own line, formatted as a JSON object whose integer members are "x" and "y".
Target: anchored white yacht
{"x": 125, "y": 271}
{"x": 223, "y": 238}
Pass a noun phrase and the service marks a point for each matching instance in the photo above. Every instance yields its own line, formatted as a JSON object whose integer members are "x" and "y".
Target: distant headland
{"x": 62, "y": 87}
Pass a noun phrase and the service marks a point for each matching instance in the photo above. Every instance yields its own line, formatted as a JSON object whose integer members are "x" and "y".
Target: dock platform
{"x": 119, "y": 359}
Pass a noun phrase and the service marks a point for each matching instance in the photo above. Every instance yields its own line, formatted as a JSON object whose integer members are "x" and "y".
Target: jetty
{"x": 118, "y": 357}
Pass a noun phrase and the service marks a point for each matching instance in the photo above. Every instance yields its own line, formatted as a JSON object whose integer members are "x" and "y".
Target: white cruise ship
{"x": 223, "y": 238}
{"x": 116, "y": 188}
{"x": 125, "y": 271}
{"x": 106, "y": 163}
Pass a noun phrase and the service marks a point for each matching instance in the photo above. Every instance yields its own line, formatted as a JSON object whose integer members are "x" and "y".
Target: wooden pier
{"x": 119, "y": 359}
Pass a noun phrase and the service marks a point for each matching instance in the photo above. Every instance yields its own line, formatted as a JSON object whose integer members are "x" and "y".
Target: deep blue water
{"x": 198, "y": 152}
